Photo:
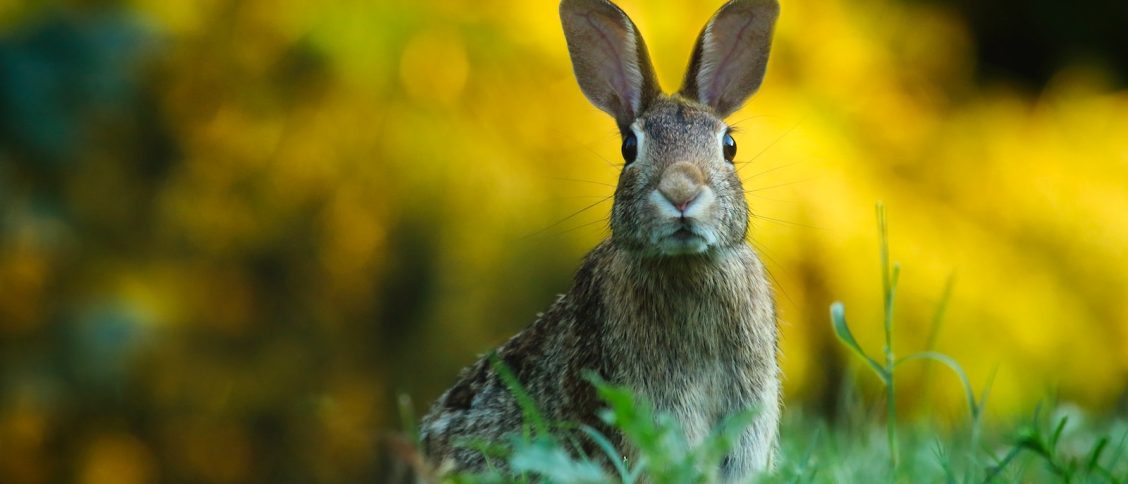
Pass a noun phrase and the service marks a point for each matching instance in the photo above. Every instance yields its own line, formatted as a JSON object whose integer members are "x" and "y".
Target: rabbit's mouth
{"x": 683, "y": 238}
{"x": 683, "y": 234}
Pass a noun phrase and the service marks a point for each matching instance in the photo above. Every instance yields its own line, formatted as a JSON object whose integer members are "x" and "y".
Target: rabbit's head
{"x": 679, "y": 192}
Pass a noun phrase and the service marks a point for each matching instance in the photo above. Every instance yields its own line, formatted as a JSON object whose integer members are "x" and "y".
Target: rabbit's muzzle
{"x": 680, "y": 185}
{"x": 682, "y": 204}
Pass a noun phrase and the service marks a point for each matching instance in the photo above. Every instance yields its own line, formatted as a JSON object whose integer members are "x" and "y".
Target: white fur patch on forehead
{"x": 640, "y": 135}
{"x": 640, "y": 141}
{"x": 721, "y": 134}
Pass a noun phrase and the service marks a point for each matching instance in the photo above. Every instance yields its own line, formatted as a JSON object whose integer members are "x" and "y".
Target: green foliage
{"x": 1042, "y": 449}
{"x": 662, "y": 454}
{"x": 1082, "y": 460}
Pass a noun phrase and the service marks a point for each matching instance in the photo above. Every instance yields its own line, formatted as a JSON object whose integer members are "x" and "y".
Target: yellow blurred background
{"x": 232, "y": 232}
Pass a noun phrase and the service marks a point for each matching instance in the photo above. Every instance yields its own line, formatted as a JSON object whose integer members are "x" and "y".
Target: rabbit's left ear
{"x": 731, "y": 55}
{"x": 609, "y": 58}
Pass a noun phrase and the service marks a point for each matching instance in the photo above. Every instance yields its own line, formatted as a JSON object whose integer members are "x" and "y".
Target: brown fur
{"x": 675, "y": 306}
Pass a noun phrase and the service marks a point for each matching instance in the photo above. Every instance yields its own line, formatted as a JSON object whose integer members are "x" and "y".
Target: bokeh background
{"x": 233, "y": 231}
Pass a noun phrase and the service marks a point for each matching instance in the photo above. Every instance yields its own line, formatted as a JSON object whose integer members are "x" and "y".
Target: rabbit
{"x": 675, "y": 305}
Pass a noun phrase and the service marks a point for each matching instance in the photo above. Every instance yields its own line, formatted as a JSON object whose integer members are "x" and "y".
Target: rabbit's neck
{"x": 692, "y": 296}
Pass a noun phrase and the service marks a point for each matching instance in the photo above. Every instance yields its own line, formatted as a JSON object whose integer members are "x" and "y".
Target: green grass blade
{"x": 1001, "y": 465}
{"x": 977, "y": 417}
{"x": 888, "y": 276}
{"x": 883, "y": 243}
{"x": 1058, "y": 430}
{"x": 490, "y": 451}
{"x": 941, "y": 311}
{"x": 934, "y": 334}
{"x": 890, "y": 298}
{"x": 635, "y": 418}
{"x": 524, "y": 401}
{"x": 1095, "y": 454}
{"x": 724, "y": 436}
{"x": 986, "y": 392}
{"x": 407, "y": 418}
{"x": 608, "y": 449}
{"x": 808, "y": 455}
{"x": 1114, "y": 460}
{"x": 944, "y": 460}
{"x": 842, "y": 330}
{"x": 969, "y": 394}
{"x": 546, "y": 458}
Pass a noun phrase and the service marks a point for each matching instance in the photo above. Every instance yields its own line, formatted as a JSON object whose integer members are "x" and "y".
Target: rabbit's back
{"x": 549, "y": 360}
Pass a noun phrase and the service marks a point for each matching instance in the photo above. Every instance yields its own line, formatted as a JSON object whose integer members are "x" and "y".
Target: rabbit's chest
{"x": 699, "y": 346}
{"x": 699, "y": 368}
{"x": 697, "y": 399}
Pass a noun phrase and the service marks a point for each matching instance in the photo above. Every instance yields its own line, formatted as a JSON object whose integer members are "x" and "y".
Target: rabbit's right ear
{"x": 731, "y": 55}
{"x": 609, "y": 58}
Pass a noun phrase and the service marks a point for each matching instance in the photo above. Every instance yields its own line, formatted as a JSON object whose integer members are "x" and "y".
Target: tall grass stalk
{"x": 933, "y": 335}
{"x": 889, "y": 287}
{"x": 890, "y": 274}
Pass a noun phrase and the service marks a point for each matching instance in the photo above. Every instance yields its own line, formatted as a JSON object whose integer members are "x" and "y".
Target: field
{"x": 1059, "y": 444}
{"x": 236, "y": 234}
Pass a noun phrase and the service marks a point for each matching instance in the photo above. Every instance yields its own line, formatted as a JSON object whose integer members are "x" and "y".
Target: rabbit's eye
{"x": 729, "y": 147}
{"x": 630, "y": 148}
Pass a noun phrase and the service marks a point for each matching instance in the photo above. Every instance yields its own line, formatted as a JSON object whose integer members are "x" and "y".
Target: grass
{"x": 1055, "y": 443}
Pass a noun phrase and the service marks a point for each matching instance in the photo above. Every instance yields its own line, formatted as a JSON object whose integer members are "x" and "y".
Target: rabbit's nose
{"x": 681, "y": 183}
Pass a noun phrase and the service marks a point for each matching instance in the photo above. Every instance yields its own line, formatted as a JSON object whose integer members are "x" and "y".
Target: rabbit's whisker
{"x": 582, "y": 197}
{"x": 778, "y": 200}
{"x": 736, "y": 124}
{"x": 588, "y": 224}
{"x": 782, "y": 222}
{"x": 771, "y": 275}
{"x": 565, "y": 219}
{"x": 779, "y": 185}
{"x": 580, "y": 180}
{"x": 587, "y": 147}
{"x": 770, "y": 145}
{"x": 769, "y": 170}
